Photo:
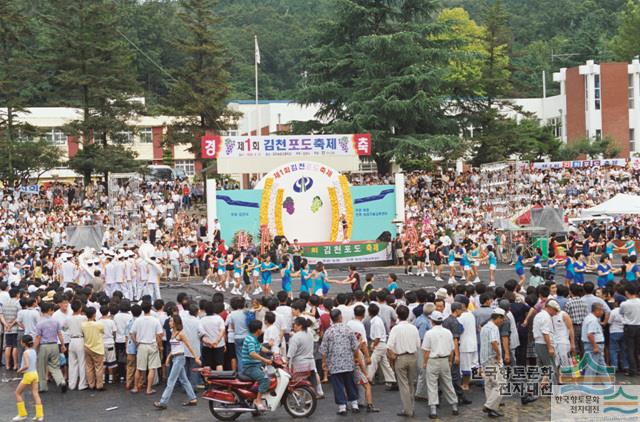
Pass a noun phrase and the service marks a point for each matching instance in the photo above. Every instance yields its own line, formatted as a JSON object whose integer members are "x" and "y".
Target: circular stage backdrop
{"x": 306, "y": 201}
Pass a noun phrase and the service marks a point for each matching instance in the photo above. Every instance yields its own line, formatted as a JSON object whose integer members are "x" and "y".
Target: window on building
{"x": 632, "y": 140}
{"x": 187, "y": 166}
{"x": 596, "y": 91}
{"x": 598, "y": 134}
{"x": 124, "y": 137}
{"x": 56, "y": 136}
{"x": 631, "y": 102}
{"x": 556, "y": 125}
{"x": 146, "y": 135}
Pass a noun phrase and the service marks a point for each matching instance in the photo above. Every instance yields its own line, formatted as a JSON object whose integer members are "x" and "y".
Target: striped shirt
{"x": 250, "y": 345}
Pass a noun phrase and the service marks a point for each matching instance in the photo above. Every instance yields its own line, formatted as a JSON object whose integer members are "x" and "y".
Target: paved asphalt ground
{"x": 92, "y": 406}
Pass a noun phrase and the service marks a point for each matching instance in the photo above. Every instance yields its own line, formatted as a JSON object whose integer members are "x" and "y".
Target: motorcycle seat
{"x": 242, "y": 377}
{"x": 222, "y": 374}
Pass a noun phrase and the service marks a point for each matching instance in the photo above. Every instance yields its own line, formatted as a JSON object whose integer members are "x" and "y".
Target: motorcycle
{"x": 230, "y": 394}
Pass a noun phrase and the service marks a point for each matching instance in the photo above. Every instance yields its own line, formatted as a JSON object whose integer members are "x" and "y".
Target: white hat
{"x": 498, "y": 311}
{"x": 442, "y": 292}
{"x": 436, "y": 316}
{"x": 553, "y": 304}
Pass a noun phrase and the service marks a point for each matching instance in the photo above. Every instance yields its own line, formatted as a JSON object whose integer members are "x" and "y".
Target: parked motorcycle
{"x": 230, "y": 395}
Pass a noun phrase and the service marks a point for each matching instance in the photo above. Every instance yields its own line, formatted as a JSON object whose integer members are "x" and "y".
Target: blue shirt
{"x": 266, "y": 275}
{"x": 579, "y": 275}
{"x": 519, "y": 265}
{"x": 320, "y": 283}
{"x": 304, "y": 280}
{"x": 602, "y": 279}
{"x": 33, "y": 360}
{"x": 391, "y": 287}
{"x": 250, "y": 345}
{"x": 131, "y": 346}
{"x": 423, "y": 325}
{"x": 631, "y": 275}
{"x": 492, "y": 258}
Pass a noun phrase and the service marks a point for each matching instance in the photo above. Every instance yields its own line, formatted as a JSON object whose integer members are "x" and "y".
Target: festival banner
{"x": 346, "y": 253}
{"x": 613, "y": 162}
{"x": 209, "y": 145}
{"x": 285, "y": 145}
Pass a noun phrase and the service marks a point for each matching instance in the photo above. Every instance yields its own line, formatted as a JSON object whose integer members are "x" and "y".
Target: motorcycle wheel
{"x": 301, "y": 402}
{"x": 225, "y": 416}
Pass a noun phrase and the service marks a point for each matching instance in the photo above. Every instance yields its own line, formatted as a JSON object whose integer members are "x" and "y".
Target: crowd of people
{"x": 83, "y": 318}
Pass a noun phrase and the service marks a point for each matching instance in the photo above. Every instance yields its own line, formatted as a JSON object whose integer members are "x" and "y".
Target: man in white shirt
{"x": 438, "y": 354}
{"x": 543, "y": 334}
{"x": 491, "y": 361}
{"x": 146, "y": 333}
{"x": 109, "y": 341}
{"x": 191, "y": 325}
{"x": 378, "y": 335}
{"x": 630, "y": 312}
{"x": 211, "y": 331}
{"x": 404, "y": 344}
{"x": 121, "y": 320}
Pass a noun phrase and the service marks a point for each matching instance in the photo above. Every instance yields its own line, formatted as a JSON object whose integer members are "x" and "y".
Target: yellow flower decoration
{"x": 348, "y": 204}
{"x": 264, "y": 203}
{"x": 278, "y": 211}
{"x": 335, "y": 214}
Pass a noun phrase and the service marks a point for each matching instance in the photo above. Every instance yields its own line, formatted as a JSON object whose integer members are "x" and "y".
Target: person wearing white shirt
{"x": 438, "y": 354}
{"x": 191, "y": 325}
{"x": 211, "y": 331}
{"x": 121, "y": 320}
{"x": 142, "y": 276}
{"x": 110, "y": 276}
{"x": 543, "y": 334}
{"x": 378, "y": 335}
{"x": 146, "y": 332}
{"x": 153, "y": 282}
{"x": 356, "y": 325}
{"x": 69, "y": 272}
{"x": 404, "y": 345}
{"x": 564, "y": 340}
{"x": 272, "y": 333}
{"x": 77, "y": 375}
{"x": 109, "y": 339}
{"x": 617, "y": 355}
{"x": 630, "y": 312}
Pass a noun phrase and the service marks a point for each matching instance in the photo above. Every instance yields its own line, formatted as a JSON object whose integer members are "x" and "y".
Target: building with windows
{"x": 595, "y": 100}
{"x": 598, "y": 100}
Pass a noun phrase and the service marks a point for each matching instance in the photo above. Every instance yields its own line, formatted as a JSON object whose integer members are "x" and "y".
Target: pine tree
{"x": 93, "y": 68}
{"x": 377, "y": 67}
{"x": 20, "y": 154}
{"x": 201, "y": 87}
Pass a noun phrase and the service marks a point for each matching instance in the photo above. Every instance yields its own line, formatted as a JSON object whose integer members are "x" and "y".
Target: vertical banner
{"x": 209, "y": 145}
{"x": 211, "y": 207}
{"x": 362, "y": 143}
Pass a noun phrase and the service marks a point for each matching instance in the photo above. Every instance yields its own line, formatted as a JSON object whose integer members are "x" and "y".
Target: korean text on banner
{"x": 209, "y": 146}
{"x": 292, "y": 145}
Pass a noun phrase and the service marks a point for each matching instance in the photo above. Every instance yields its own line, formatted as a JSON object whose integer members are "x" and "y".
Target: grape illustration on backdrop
{"x": 228, "y": 144}
{"x": 344, "y": 142}
{"x": 288, "y": 205}
{"x": 316, "y": 204}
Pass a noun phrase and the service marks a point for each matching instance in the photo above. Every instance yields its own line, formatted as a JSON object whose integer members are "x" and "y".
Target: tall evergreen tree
{"x": 200, "y": 89}
{"x": 93, "y": 67}
{"x": 20, "y": 154}
{"x": 377, "y": 67}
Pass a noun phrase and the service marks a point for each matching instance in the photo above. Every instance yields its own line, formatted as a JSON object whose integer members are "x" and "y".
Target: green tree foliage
{"x": 592, "y": 149}
{"x": 92, "y": 67}
{"x": 17, "y": 73}
{"x": 376, "y": 67}
{"x": 97, "y": 158}
{"x": 626, "y": 43}
{"x": 27, "y": 159}
{"x": 201, "y": 87}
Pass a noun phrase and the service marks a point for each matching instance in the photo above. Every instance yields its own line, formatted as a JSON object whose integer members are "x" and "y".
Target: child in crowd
{"x": 29, "y": 379}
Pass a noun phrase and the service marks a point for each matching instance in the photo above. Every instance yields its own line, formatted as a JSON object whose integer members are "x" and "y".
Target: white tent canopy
{"x": 621, "y": 204}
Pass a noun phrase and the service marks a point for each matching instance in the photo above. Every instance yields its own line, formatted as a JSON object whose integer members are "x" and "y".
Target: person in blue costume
{"x": 266, "y": 270}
